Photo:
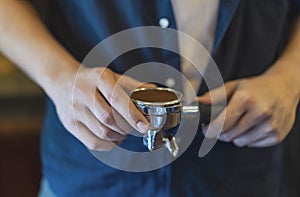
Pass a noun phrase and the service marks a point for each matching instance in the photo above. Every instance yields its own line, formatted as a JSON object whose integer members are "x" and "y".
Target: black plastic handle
{"x": 206, "y": 113}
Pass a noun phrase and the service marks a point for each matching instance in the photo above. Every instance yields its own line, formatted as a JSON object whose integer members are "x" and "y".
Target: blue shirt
{"x": 226, "y": 171}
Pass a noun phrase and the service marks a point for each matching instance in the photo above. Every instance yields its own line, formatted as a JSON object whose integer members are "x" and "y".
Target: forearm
{"x": 287, "y": 66}
{"x": 25, "y": 40}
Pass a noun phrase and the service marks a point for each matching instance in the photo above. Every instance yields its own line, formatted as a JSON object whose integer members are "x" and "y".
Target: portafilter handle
{"x": 207, "y": 112}
{"x": 156, "y": 138}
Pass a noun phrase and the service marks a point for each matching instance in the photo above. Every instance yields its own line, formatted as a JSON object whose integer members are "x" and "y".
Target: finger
{"x": 121, "y": 122}
{"x": 265, "y": 142}
{"x": 232, "y": 114}
{"x": 257, "y": 133}
{"x": 100, "y": 130}
{"x": 91, "y": 141}
{"x": 108, "y": 116}
{"x": 219, "y": 95}
{"x": 130, "y": 84}
{"x": 249, "y": 120}
{"x": 120, "y": 101}
{"x": 88, "y": 95}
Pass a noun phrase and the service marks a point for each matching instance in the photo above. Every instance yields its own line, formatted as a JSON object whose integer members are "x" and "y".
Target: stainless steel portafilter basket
{"x": 163, "y": 107}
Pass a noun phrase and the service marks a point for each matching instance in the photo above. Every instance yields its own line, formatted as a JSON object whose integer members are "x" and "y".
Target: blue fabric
{"x": 79, "y": 26}
{"x": 226, "y": 12}
{"x": 45, "y": 190}
{"x": 295, "y": 8}
{"x": 71, "y": 170}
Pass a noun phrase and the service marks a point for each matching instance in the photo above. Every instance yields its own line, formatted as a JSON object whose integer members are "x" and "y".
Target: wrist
{"x": 59, "y": 78}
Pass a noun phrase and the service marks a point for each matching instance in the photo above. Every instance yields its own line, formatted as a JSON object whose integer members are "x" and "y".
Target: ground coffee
{"x": 154, "y": 95}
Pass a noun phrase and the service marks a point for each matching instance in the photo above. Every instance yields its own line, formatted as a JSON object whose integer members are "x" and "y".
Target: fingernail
{"x": 143, "y": 127}
{"x": 204, "y": 129}
{"x": 239, "y": 142}
{"x": 225, "y": 137}
{"x": 221, "y": 137}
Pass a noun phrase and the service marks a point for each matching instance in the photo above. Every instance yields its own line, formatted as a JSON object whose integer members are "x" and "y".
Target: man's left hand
{"x": 260, "y": 112}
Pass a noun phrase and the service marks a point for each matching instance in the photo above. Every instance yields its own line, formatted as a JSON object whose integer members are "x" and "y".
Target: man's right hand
{"x": 93, "y": 105}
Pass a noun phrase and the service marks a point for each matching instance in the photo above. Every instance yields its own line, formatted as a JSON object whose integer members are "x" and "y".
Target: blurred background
{"x": 21, "y": 116}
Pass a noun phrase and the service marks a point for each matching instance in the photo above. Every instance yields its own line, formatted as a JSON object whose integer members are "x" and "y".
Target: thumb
{"x": 130, "y": 84}
{"x": 218, "y": 95}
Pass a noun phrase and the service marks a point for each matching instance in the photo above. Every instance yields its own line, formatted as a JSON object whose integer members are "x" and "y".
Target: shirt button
{"x": 164, "y": 23}
{"x": 170, "y": 82}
